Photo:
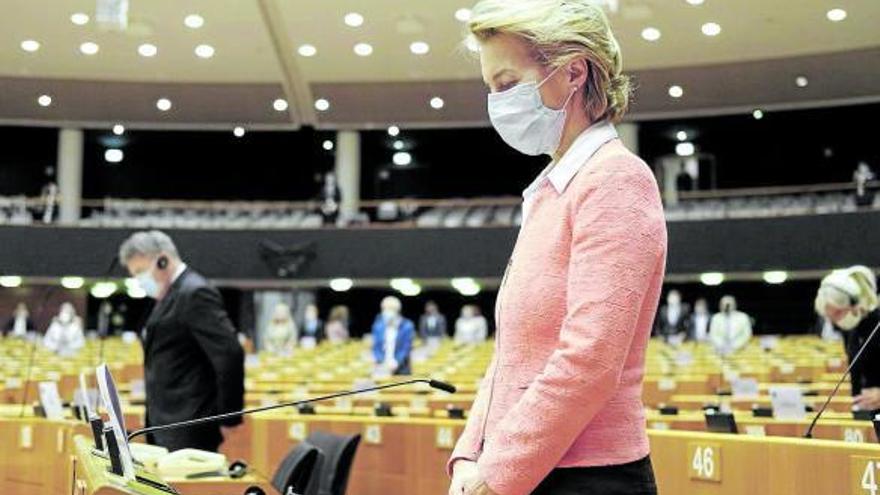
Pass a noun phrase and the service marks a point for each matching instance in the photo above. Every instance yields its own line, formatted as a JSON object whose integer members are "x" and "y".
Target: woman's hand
{"x": 466, "y": 480}
{"x": 868, "y": 400}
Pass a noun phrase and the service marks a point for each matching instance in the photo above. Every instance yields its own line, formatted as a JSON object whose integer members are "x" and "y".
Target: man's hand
{"x": 868, "y": 400}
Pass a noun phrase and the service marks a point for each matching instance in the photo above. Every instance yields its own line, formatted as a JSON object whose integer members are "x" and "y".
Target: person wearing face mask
{"x": 471, "y": 327}
{"x": 432, "y": 324}
{"x": 393, "y": 338}
{"x": 729, "y": 330}
{"x": 193, "y": 362}
{"x": 673, "y": 317}
{"x": 848, "y": 299}
{"x": 65, "y": 335}
{"x": 280, "y": 336}
{"x": 698, "y": 323}
{"x": 20, "y": 323}
{"x": 559, "y": 410}
{"x": 312, "y": 327}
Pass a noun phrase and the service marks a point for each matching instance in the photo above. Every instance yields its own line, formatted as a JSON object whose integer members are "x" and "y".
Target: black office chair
{"x": 339, "y": 454}
{"x": 300, "y": 471}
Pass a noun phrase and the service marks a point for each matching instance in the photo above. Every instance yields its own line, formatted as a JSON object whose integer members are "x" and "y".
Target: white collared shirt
{"x": 177, "y": 273}
{"x": 560, "y": 174}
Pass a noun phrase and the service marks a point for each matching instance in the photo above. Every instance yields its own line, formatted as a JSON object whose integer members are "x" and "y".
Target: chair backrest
{"x": 339, "y": 451}
{"x": 300, "y": 471}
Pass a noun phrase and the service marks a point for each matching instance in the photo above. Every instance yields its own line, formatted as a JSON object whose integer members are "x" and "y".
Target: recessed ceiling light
{"x": 322, "y": 105}
{"x": 801, "y": 81}
{"x": 758, "y": 114}
{"x": 308, "y": 50}
{"x": 419, "y": 48}
{"x": 89, "y": 48}
{"x": 437, "y": 103}
{"x": 472, "y": 44}
{"x": 695, "y": 2}
{"x": 712, "y": 278}
{"x": 393, "y": 131}
{"x": 327, "y": 145}
{"x": 836, "y": 15}
{"x": 280, "y": 105}
{"x": 30, "y": 45}
{"x": 113, "y": 155}
{"x": 650, "y": 34}
{"x": 148, "y": 50}
{"x": 676, "y": 91}
{"x": 118, "y": 129}
{"x": 398, "y": 145}
{"x": 194, "y": 21}
{"x": 204, "y": 51}
{"x": 163, "y": 104}
{"x": 402, "y": 158}
{"x": 363, "y": 49}
{"x": 463, "y": 15}
{"x": 10, "y": 281}
{"x": 44, "y": 100}
{"x": 72, "y": 283}
{"x": 80, "y": 19}
{"x": 775, "y": 277}
{"x": 354, "y": 19}
{"x": 681, "y": 136}
{"x": 685, "y": 149}
{"x": 711, "y": 29}
{"x": 341, "y": 284}
{"x": 238, "y": 131}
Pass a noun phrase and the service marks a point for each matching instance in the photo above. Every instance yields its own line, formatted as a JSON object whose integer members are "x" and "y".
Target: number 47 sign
{"x": 864, "y": 475}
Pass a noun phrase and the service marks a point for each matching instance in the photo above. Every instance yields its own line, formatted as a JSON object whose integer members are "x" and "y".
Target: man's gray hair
{"x": 149, "y": 243}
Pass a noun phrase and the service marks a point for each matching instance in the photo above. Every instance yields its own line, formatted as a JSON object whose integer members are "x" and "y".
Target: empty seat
{"x": 300, "y": 471}
{"x": 339, "y": 454}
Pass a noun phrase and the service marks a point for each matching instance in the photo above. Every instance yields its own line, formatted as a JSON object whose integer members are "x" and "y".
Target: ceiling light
{"x": 402, "y": 159}
{"x": 836, "y": 15}
{"x": 685, "y": 149}
{"x": 89, "y": 48}
{"x": 412, "y": 290}
{"x": 775, "y": 277}
{"x": 280, "y": 105}
{"x": 406, "y": 286}
{"x": 113, "y": 155}
{"x": 466, "y": 286}
{"x": 341, "y": 284}
{"x": 308, "y": 50}
{"x": 327, "y": 145}
{"x": 163, "y": 104}
{"x": 72, "y": 283}
{"x": 695, "y": 2}
{"x": 30, "y": 45}
{"x": 472, "y": 44}
{"x": 80, "y": 19}
{"x": 650, "y": 34}
{"x": 801, "y": 81}
{"x": 363, "y": 49}
{"x": 204, "y": 51}
{"x": 238, "y": 131}
{"x": 148, "y": 50}
{"x": 194, "y": 21}
{"x": 354, "y": 19}
{"x": 118, "y": 129}
{"x": 419, "y": 48}
{"x": 322, "y": 105}
{"x": 10, "y": 281}
{"x": 711, "y": 29}
{"x": 103, "y": 290}
{"x": 676, "y": 91}
{"x": 681, "y": 136}
{"x": 393, "y": 131}
{"x": 712, "y": 279}
{"x": 463, "y": 15}
{"x": 44, "y": 100}
{"x": 758, "y": 114}
{"x": 398, "y": 145}
{"x": 437, "y": 103}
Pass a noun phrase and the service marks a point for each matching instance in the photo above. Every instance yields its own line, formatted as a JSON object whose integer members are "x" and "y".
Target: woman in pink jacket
{"x": 559, "y": 410}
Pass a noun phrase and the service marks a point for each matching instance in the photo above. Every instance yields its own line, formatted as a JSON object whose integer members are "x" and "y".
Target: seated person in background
{"x": 65, "y": 334}
{"x": 392, "y": 338}
{"x": 280, "y": 336}
{"x": 432, "y": 324}
{"x": 313, "y": 327}
{"x": 673, "y": 317}
{"x": 848, "y": 298}
{"x": 20, "y": 323}
{"x": 698, "y": 322}
{"x": 471, "y": 327}
{"x": 730, "y": 330}
{"x": 337, "y": 325}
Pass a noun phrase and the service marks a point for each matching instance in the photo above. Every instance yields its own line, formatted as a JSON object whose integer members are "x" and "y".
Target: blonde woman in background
{"x": 65, "y": 335}
{"x": 337, "y": 325}
{"x": 729, "y": 329}
{"x": 281, "y": 336}
{"x": 560, "y": 409}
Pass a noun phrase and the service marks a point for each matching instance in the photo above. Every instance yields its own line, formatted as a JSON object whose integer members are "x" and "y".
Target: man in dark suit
{"x": 193, "y": 363}
{"x": 672, "y": 319}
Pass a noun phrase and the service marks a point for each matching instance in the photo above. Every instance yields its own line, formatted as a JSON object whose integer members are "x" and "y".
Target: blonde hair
{"x": 561, "y": 31}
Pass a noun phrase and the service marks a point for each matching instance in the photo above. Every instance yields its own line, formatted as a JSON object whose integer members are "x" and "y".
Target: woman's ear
{"x": 578, "y": 73}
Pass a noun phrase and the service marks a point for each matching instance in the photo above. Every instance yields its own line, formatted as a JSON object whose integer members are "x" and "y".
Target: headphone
{"x": 162, "y": 262}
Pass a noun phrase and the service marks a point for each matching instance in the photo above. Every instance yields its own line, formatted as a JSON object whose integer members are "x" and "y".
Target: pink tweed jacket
{"x": 574, "y": 316}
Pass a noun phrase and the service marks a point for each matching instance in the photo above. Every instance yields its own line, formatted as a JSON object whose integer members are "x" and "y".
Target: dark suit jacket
{"x": 193, "y": 363}
{"x": 439, "y": 329}
{"x": 663, "y": 328}
{"x": 866, "y": 372}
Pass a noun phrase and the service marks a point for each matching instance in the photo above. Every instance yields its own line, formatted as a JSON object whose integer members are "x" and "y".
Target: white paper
{"x": 788, "y": 403}
{"x": 308, "y": 343}
{"x": 50, "y": 400}
{"x": 129, "y": 337}
{"x": 744, "y": 388}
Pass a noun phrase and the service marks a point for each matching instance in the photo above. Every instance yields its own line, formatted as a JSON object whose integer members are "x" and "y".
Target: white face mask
{"x": 524, "y": 122}
{"x": 148, "y": 283}
{"x": 848, "y": 322}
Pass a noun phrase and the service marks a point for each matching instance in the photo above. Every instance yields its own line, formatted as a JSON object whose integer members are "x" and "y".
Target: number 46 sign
{"x": 704, "y": 461}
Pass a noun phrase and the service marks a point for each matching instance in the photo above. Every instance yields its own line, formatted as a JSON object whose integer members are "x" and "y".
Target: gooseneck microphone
{"x": 436, "y": 384}
{"x": 855, "y": 359}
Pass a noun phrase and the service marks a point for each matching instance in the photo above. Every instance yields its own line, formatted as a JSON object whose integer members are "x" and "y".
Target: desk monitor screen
{"x": 85, "y": 397}
{"x": 110, "y": 396}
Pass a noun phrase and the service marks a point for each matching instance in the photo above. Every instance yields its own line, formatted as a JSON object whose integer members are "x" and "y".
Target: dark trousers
{"x": 634, "y": 478}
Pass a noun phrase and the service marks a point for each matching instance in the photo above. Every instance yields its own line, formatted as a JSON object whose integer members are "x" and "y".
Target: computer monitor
{"x": 110, "y": 397}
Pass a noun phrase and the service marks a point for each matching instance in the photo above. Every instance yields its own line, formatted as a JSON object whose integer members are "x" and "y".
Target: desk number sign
{"x": 704, "y": 461}
{"x": 864, "y": 475}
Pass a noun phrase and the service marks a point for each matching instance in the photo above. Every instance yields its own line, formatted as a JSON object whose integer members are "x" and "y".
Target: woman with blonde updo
{"x": 560, "y": 410}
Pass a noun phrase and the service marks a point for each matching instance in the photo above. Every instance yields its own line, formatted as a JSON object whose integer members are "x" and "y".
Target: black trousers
{"x": 634, "y": 478}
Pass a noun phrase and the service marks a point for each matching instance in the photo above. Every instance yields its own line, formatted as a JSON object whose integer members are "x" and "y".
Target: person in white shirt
{"x": 698, "y": 327}
{"x": 20, "y": 324}
{"x": 471, "y": 327}
{"x": 65, "y": 335}
{"x": 281, "y": 335}
{"x": 730, "y": 330}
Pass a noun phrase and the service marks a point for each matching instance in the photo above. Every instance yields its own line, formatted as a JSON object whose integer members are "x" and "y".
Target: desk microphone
{"x": 446, "y": 387}
{"x": 855, "y": 359}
